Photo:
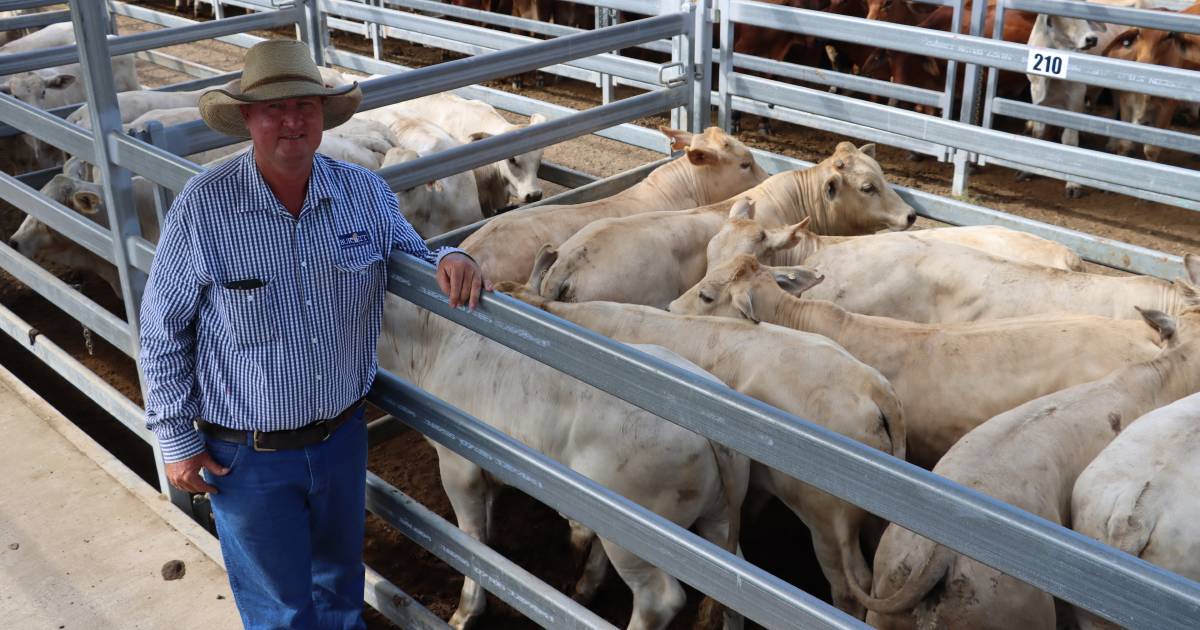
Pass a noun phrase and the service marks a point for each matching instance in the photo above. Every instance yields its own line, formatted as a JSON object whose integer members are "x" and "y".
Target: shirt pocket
{"x": 359, "y": 277}
{"x": 250, "y": 315}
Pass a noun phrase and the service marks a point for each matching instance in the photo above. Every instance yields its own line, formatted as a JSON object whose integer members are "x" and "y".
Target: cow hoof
{"x": 765, "y": 129}
{"x": 1075, "y": 191}
{"x": 539, "y": 81}
{"x": 1024, "y": 176}
{"x": 518, "y": 84}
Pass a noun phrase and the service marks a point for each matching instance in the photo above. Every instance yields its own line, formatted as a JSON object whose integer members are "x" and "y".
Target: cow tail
{"x": 891, "y": 414}
{"x": 917, "y": 584}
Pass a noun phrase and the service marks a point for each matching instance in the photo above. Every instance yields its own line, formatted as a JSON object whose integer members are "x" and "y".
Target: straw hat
{"x": 276, "y": 69}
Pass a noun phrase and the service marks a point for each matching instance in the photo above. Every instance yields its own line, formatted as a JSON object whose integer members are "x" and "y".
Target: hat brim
{"x": 221, "y": 111}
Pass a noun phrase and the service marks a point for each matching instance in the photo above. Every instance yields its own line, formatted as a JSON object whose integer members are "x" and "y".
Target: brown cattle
{"x": 1177, "y": 50}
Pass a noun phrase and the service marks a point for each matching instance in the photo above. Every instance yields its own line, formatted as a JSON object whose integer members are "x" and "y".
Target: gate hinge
{"x": 675, "y": 81}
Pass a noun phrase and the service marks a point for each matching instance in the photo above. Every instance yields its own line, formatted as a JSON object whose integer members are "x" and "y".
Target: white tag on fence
{"x": 1046, "y": 62}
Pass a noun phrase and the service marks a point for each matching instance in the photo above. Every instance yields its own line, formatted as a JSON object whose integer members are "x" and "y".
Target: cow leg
{"x": 1076, "y": 95}
{"x": 595, "y": 569}
{"x": 657, "y": 597}
{"x": 1166, "y": 112}
{"x": 716, "y": 530}
{"x": 472, "y": 498}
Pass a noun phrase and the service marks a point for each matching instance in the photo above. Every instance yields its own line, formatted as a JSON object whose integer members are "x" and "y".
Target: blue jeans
{"x": 291, "y": 528}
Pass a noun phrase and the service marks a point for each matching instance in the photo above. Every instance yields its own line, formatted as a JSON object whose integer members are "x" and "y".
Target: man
{"x": 259, "y": 325}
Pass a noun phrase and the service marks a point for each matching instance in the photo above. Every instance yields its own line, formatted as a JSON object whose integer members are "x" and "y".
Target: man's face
{"x": 287, "y": 132}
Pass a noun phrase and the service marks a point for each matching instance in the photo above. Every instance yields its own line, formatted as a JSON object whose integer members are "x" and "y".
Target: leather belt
{"x": 269, "y": 441}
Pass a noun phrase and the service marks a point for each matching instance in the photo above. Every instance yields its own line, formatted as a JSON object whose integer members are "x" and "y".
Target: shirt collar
{"x": 258, "y": 195}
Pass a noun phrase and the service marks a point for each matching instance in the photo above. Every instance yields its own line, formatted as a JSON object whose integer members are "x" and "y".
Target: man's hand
{"x": 185, "y": 474}
{"x": 461, "y": 280}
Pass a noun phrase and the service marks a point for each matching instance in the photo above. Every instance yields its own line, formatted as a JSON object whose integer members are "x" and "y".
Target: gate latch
{"x": 679, "y": 69}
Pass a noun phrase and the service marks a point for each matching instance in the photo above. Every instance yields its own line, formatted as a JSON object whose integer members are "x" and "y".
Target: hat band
{"x": 279, "y": 78}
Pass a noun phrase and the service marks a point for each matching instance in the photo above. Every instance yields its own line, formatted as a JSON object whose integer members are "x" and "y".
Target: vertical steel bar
{"x": 218, "y": 9}
{"x": 94, "y": 61}
{"x": 993, "y": 75}
{"x": 970, "y": 99}
{"x": 725, "y": 70}
{"x": 952, "y": 66}
{"x": 312, "y": 29}
{"x": 700, "y": 68}
{"x": 606, "y": 17}
{"x": 376, "y": 33}
{"x": 156, "y": 134}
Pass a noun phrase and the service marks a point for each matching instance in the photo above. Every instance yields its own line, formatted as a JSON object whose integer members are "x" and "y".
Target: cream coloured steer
{"x": 715, "y": 166}
{"x": 1028, "y": 457}
{"x": 672, "y": 471}
{"x": 821, "y": 383}
{"x": 438, "y": 206}
{"x": 945, "y": 374}
{"x": 652, "y": 258}
{"x": 1139, "y": 494}
{"x": 915, "y": 278}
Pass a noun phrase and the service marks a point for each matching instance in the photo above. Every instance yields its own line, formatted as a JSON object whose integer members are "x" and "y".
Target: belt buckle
{"x": 324, "y": 427}
{"x": 259, "y": 448}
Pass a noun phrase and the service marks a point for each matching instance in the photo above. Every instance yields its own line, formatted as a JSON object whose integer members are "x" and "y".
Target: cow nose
{"x": 912, "y": 218}
{"x": 1089, "y": 42}
{"x": 533, "y": 196}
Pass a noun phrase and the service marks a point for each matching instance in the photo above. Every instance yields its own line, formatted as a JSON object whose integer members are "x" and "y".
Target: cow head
{"x": 36, "y": 240}
{"x": 719, "y": 165}
{"x": 742, "y": 235}
{"x": 1153, "y": 47}
{"x": 520, "y": 172}
{"x": 856, "y": 197}
{"x": 417, "y": 200}
{"x": 31, "y": 87}
{"x": 1064, "y": 33}
{"x": 732, "y": 288}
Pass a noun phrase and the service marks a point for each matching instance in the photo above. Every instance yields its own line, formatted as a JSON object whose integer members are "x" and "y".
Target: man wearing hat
{"x": 259, "y": 324}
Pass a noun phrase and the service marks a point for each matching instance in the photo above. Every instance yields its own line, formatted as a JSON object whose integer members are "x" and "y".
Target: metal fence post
{"x": 95, "y": 62}
{"x": 313, "y": 29}
{"x": 376, "y": 33}
{"x": 725, "y": 71}
{"x": 993, "y": 75}
{"x": 156, "y": 134}
{"x": 970, "y": 100}
{"x": 700, "y": 68}
{"x": 605, "y": 17}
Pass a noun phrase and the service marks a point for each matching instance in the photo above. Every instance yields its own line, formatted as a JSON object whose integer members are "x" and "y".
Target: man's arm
{"x": 168, "y": 339}
{"x": 458, "y": 275}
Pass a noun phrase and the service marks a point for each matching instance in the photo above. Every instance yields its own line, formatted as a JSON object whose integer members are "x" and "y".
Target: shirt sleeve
{"x": 406, "y": 239}
{"x": 168, "y": 340}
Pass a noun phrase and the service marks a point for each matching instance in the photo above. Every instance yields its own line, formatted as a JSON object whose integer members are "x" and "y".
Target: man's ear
{"x": 744, "y": 303}
{"x": 679, "y": 139}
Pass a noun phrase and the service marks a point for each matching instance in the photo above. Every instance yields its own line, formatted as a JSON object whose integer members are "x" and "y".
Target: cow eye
{"x": 868, "y": 188}
{"x": 706, "y": 298}
{"x": 747, "y": 165}
{"x": 1127, "y": 42}
{"x": 512, "y": 160}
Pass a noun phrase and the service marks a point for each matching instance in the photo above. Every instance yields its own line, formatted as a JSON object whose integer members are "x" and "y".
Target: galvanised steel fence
{"x": 1072, "y": 567}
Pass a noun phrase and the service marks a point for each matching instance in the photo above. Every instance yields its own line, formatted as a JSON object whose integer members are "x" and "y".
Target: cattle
{"x": 930, "y": 72}
{"x": 651, "y": 258}
{"x": 944, "y": 374}
{"x": 714, "y": 166}
{"x": 1028, "y": 457}
{"x": 59, "y": 34}
{"x": 469, "y": 121}
{"x": 1138, "y": 495}
{"x": 438, "y": 206}
{"x": 14, "y": 34}
{"x": 35, "y": 240}
{"x": 1178, "y": 50}
{"x": 1073, "y": 35}
{"x": 908, "y": 277}
{"x": 792, "y": 245}
{"x": 679, "y": 475}
{"x": 821, "y": 383}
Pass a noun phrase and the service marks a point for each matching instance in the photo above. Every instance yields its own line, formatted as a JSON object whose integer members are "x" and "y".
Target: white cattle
{"x": 1071, "y": 35}
{"x": 803, "y": 374}
{"x": 438, "y": 206}
{"x": 652, "y": 258}
{"x": 677, "y": 474}
{"x": 60, "y": 34}
{"x": 14, "y": 34}
{"x": 22, "y": 153}
{"x": 715, "y": 166}
{"x": 35, "y": 240}
{"x": 468, "y": 121}
{"x": 1139, "y": 494}
{"x": 944, "y": 374}
{"x": 905, "y": 276}
{"x": 1028, "y": 457}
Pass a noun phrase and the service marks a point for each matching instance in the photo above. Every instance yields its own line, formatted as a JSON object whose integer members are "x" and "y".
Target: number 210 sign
{"x": 1050, "y": 63}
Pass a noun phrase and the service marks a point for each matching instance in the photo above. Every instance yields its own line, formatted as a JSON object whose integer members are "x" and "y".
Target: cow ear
{"x": 1161, "y": 322}
{"x": 742, "y": 209}
{"x": 832, "y": 184}
{"x": 545, "y": 257}
{"x": 786, "y": 237}
{"x": 1191, "y": 263}
{"x": 679, "y": 139}
{"x": 86, "y": 201}
{"x": 700, "y": 157}
{"x": 744, "y": 303}
{"x": 478, "y": 135}
{"x": 60, "y": 81}
{"x": 796, "y": 280}
{"x": 868, "y": 149}
{"x": 537, "y": 119}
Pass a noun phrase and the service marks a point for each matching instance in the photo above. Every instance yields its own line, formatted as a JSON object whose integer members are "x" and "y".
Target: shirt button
{"x": 314, "y": 340}
{"x": 308, "y": 302}
{"x": 303, "y": 263}
{"x": 249, "y": 298}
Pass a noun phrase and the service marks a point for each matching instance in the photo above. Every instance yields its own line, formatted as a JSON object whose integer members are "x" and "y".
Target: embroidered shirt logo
{"x": 358, "y": 238}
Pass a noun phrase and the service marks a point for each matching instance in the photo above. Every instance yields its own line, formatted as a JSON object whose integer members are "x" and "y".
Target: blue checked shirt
{"x": 254, "y": 320}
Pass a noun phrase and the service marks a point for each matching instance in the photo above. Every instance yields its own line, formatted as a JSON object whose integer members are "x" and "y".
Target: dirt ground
{"x": 529, "y": 533}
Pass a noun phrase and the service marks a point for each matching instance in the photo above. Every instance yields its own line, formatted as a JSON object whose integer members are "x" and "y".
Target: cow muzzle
{"x": 533, "y": 196}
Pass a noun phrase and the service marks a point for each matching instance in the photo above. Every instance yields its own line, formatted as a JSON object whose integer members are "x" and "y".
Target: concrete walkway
{"x": 83, "y": 541}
